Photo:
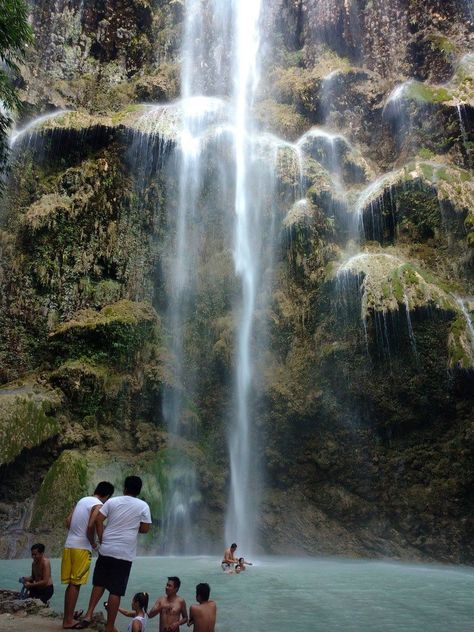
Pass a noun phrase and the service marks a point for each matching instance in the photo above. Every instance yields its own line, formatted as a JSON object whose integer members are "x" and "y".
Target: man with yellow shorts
{"x": 77, "y": 554}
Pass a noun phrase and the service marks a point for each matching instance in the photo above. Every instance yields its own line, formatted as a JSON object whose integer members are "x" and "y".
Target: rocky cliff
{"x": 365, "y": 383}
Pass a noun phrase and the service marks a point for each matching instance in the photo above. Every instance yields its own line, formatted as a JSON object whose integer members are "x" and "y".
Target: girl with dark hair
{"x": 138, "y": 612}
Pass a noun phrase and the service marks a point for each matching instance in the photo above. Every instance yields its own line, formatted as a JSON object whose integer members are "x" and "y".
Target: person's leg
{"x": 112, "y": 609}
{"x": 96, "y": 594}
{"x": 70, "y": 600}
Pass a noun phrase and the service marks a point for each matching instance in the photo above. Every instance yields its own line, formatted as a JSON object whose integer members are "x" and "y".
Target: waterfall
{"x": 219, "y": 52}
{"x": 239, "y": 518}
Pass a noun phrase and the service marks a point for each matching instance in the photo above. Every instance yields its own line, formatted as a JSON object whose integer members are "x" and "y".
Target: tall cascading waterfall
{"x": 220, "y": 56}
{"x": 197, "y": 113}
{"x": 240, "y": 522}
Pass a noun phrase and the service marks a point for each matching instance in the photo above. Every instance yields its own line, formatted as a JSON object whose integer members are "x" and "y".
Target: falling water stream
{"x": 208, "y": 123}
{"x": 239, "y": 520}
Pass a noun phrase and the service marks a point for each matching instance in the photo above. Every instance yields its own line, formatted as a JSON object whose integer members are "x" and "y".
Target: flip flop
{"x": 77, "y": 614}
{"x": 82, "y": 625}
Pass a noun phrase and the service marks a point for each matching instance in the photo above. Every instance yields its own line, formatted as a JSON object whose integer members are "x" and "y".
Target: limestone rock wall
{"x": 364, "y": 392}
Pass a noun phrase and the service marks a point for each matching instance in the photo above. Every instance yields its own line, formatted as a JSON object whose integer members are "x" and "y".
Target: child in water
{"x": 138, "y": 612}
{"x": 243, "y": 563}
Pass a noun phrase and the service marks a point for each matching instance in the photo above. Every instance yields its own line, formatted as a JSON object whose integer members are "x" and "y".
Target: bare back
{"x": 203, "y": 616}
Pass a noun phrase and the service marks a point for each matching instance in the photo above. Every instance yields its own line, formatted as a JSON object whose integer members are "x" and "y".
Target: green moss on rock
{"x": 281, "y": 119}
{"x": 27, "y": 418}
{"x": 387, "y": 283}
{"x": 115, "y": 334}
{"x": 426, "y": 93}
{"x": 63, "y": 485}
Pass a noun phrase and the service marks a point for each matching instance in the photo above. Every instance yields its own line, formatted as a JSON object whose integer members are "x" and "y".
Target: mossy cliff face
{"x": 363, "y": 392}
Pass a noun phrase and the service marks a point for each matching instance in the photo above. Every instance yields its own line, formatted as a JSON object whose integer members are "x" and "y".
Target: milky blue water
{"x": 284, "y": 594}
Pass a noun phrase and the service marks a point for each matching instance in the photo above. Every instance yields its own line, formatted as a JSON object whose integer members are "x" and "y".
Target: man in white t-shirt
{"x": 80, "y": 541}
{"x": 126, "y": 516}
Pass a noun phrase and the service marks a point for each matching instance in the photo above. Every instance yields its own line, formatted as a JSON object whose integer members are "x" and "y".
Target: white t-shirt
{"x": 124, "y": 514}
{"x": 77, "y": 534}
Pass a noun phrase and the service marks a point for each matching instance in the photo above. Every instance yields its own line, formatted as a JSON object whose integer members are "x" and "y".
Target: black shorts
{"x": 44, "y": 594}
{"x": 112, "y": 574}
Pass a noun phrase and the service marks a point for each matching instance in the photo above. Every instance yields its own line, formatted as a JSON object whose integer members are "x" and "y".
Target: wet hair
{"x": 38, "y": 547}
{"x": 203, "y": 591}
{"x": 104, "y": 488}
{"x": 133, "y": 485}
{"x": 176, "y": 581}
{"x": 241, "y": 559}
{"x": 142, "y": 599}
{"x": 233, "y": 545}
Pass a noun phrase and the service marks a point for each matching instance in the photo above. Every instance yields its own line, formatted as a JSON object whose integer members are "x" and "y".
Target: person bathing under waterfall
{"x": 229, "y": 558}
{"x": 243, "y": 563}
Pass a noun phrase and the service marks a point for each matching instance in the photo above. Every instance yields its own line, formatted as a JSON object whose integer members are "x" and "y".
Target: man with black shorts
{"x": 126, "y": 516}
{"x": 39, "y": 584}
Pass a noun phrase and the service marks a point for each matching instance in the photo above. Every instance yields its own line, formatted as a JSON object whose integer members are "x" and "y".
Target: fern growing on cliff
{"x": 15, "y": 35}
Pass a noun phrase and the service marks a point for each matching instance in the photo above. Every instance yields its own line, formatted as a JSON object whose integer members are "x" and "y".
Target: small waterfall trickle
{"x": 464, "y": 134}
{"x": 467, "y": 317}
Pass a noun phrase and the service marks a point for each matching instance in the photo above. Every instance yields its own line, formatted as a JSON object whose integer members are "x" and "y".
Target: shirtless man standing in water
{"x": 229, "y": 557}
{"x": 170, "y": 607}
{"x": 203, "y": 614}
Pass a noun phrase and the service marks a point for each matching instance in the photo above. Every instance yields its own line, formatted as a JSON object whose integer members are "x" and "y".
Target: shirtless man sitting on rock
{"x": 203, "y": 614}
{"x": 39, "y": 584}
{"x": 170, "y": 607}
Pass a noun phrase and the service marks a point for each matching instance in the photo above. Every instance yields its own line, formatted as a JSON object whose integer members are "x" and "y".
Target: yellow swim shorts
{"x": 75, "y": 565}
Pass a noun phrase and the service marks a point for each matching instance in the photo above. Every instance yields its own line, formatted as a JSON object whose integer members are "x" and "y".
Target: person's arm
{"x": 126, "y": 613}
{"x": 99, "y": 525}
{"x": 91, "y": 526}
{"x": 68, "y": 519}
{"x": 184, "y": 614}
{"x": 156, "y": 609}
{"x": 191, "y": 617}
{"x": 145, "y": 522}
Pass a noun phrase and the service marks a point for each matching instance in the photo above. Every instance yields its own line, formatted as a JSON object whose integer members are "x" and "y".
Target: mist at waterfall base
{"x": 279, "y": 594}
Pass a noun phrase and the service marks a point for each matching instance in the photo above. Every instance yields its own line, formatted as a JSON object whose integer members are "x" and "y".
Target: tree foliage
{"x": 15, "y": 35}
